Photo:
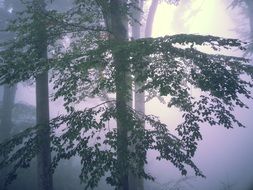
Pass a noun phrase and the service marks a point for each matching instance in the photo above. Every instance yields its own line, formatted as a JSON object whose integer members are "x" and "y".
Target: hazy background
{"x": 225, "y": 156}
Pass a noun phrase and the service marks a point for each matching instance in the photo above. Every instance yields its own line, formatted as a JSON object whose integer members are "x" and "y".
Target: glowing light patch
{"x": 10, "y": 10}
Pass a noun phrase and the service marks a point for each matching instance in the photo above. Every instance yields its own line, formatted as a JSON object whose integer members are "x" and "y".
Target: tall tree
{"x": 9, "y": 91}
{"x": 135, "y": 182}
{"x": 45, "y": 180}
{"x": 119, "y": 28}
{"x": 139, "y": 97}
{"x": 30, "y": 48}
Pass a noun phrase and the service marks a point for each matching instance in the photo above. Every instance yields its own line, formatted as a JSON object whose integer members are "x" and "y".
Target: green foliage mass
{"x": 165, "y": 66}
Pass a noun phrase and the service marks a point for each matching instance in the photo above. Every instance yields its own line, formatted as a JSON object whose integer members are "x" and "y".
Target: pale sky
{"x": 225, "y": 156}
{"x": 201, "y": 17}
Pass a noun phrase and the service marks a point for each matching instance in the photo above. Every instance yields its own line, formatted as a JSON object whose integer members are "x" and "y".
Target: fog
{"x": 224, "y": 155}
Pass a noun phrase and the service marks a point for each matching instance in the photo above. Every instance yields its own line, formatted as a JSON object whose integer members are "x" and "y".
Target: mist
{"x": 223, "y": 155}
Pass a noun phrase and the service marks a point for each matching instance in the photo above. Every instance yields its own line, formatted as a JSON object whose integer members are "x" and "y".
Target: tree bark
{"x": 119, "y": 28}
{"x": 117, "y": 23}
{"x": 45, "y": 181}
{"x": 135, "y": 182}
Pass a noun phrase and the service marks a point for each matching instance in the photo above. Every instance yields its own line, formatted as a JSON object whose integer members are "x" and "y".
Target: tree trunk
{"x": 135, "y": 182}
{"x": 123, "y": 92}
{"x": 119, "y": 28}
{"x": 250, "y": 12}
{"x": 150, "y": 18}
{"x": 6, "y": 115}
{"x": 9, "y": 93}
{"x": 45, "y": 181}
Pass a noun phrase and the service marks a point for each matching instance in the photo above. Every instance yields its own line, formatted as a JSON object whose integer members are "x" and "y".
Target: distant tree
{"x": 250, "y": 14}
{"x": 7, "y": 102}
{"x": 6, "y": 124}
{"x": 135, "y": 182}
{"x": 227, "y": 185}
{"x": 6, "y": 111}
{"x": 8, "y": 91}
{"x": 95, "y": 64}
{"x": 247, "y": 7}
{"x": 35, "y": 39}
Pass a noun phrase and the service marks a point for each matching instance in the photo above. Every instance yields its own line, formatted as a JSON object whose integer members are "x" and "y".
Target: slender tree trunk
{"x": 6, "y": 115}
{"x": 135, "y": 182}
{"x": 45, "y": 181}
{"x": 9, "y": 93}
{"x": 119, "y": 28}
{"x": 250, "y": 12}
{"x": 150, "y": 18}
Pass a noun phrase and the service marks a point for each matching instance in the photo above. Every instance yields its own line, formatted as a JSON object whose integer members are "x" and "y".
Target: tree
{"x": 150, "y": 18}
{"x": 119, "y": 30}
{"x": 250, "y": 8}
{"x": 103, "y": 55}
{"x": 6, "y": 118}
{"x": 45, "y": 179}
{"x": 6, "y": 115}
{"x": 139, "y": 97}
{"x": 247, "y": 6}
{"x": 135, "y": 182}
{"x": 8, "y": 93}
{"x": 165, "y": 65}
{"x": 38, "y": 41}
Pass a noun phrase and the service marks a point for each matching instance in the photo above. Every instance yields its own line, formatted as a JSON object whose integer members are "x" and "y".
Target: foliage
{"x": 23, "y": 46}
{"x": 166, "y": 65}
{"x": 85, "y": 133}
{"x": 96, "y": 144}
